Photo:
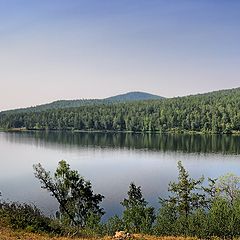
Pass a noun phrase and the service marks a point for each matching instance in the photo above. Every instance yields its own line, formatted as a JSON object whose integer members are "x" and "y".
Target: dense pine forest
{"x": 215, "y": 112}
{"x": 60, "y": 104}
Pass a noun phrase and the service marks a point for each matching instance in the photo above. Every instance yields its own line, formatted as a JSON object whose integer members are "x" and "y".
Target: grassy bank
{"x": 8, "y": 234}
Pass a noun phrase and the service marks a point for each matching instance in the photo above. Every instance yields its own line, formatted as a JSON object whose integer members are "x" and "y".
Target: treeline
{"x": 216, "y": 112}
{"x": 194, "y": 208}
{"x": 60, "y": 104}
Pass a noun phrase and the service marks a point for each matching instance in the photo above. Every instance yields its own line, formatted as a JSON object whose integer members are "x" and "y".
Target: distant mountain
{"x": 133, "y": 96}
{"x": 62, "y": 104}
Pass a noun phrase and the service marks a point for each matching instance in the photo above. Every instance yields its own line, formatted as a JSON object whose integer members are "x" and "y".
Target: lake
{"x": 111, "y": 161}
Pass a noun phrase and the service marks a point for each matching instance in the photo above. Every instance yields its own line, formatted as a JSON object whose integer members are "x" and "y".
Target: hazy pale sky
{"x": 71, "y": 49}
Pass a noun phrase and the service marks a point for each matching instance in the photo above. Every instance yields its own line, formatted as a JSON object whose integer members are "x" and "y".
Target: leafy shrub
{"x": 221, "y": 222}
{"x": 198, "y": 224}
{"x": 166, "y": 219}
{"x": 113, "y": 225}
{"x": 25, "y": 216}
{"x": 93, "y": 225}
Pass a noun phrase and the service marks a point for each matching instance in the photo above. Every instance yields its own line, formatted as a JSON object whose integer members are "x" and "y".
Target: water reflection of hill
{"x": 225, "y": 144}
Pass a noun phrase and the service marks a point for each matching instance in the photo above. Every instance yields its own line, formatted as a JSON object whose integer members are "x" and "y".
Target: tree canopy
{"x": 75, "y": 196}
{"x": 216, "y": 112}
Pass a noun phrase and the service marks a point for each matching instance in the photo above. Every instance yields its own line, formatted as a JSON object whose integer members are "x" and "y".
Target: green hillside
{"x": 215, "y": 112}
{"x": 60, "y": 104}
{"x": 133, "y": 96}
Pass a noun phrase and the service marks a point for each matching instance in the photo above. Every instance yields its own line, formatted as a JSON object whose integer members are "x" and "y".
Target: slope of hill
{"x": 215, "y": 112}
{"x": 60, "y": 104}
{"x": 133, "y": 96}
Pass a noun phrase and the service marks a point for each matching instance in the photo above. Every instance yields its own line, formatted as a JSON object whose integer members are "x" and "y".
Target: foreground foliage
{"x": 202, "y": 211}
{"x": 8, "y": 234}
{"x": 137, "y": 216}
{"x": 194, "y": 208}
{"x": 78, "y": 205}
{"x": 25, "y": 216}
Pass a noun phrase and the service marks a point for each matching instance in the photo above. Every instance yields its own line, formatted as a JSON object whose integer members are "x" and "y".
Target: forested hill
{"x": 60, "y": 104}
{"x": 133, "y": 96}
{"x": 215, "y": 112}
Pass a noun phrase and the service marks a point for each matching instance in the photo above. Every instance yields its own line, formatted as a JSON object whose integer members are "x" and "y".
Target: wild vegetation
{"x": 78, "y": 205}
{"x": 216, "y": 112}
{"x": 194, "y": 208}
{"x": 61, "y": 104}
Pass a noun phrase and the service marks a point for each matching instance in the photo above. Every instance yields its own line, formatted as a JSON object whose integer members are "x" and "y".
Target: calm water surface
{"x": 111, "y": 161}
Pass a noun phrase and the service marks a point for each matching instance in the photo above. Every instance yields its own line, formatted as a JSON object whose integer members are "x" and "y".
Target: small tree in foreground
{"x": 75, "y": 196}
{"x": 137, "y": 217}
{"x": 185, "y": 199}
{"x": 228, "y": 186}
{"x": 186, "y": 195}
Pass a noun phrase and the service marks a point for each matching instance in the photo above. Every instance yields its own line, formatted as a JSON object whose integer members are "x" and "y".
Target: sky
{"x": 73, "y": 49}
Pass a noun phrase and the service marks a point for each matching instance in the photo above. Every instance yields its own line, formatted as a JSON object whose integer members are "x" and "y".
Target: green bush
{"x": 198, "y": 224}
{"x": 165, "y": 220}
{"x": 221, "y": 218}
{"x": 25, "y": 216}
{"x": 113, "y": 225}
{"x": 93, "y": 225}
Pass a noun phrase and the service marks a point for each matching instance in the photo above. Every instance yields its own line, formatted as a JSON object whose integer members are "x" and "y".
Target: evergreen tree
{"x": 186, "y": 196}
{"x": 137, "y": 216}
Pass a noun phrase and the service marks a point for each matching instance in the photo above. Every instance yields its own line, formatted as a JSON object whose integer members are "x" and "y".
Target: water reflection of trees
{"x": 226, "y": 144}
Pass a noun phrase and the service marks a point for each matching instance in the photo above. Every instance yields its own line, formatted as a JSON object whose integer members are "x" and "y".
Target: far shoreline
{"x": 173, "y": 132}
